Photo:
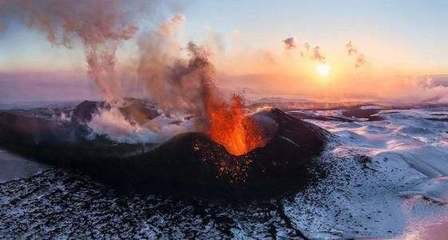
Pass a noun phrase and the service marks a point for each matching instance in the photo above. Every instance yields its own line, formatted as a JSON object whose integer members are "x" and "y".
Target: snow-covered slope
{"x": 385, "y": 179}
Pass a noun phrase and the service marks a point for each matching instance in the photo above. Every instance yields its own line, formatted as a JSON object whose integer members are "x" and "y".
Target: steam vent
{"x": 188, "y": 163}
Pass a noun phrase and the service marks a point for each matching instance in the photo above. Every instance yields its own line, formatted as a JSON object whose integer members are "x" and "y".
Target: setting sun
{"x": 323, "y": 69}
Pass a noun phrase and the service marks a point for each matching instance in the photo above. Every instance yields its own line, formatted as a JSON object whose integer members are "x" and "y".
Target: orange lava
{"x": 231, "y": 128}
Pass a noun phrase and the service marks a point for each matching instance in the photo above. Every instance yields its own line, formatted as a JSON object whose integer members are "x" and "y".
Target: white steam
{"x": 113, "y": 125}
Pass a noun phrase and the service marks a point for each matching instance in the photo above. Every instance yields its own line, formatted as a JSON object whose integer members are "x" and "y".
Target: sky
{"x": 406, "y": 37}
{"x": 404, "y": 31}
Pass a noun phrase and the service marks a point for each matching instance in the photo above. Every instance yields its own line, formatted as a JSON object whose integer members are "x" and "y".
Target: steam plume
{"x": 100, "y": 25}
{"x": 176, "y": 84}
{"x": 180, "y": 85}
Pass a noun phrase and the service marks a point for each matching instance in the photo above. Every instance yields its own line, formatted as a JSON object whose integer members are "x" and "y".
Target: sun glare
{"x": 323, "y": 69}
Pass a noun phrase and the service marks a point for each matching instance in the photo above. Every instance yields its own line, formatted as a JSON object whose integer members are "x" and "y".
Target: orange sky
{"x": 400, "y": 47}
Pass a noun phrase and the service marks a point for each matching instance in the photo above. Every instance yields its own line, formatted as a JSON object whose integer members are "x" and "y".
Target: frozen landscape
{"x": 202, "y": 119}
{"x": 385, "y": 178}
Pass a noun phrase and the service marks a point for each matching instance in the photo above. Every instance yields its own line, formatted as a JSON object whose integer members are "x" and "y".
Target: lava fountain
{"x": 187, "y": 85}
{"x": 230, "y": 127}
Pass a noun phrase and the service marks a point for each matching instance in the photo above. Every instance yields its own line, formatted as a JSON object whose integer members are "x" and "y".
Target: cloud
{"x": 100, "y": 25}
{"x": 289, "y": 43}
{"x": 353, "y": 52}
{"x": 433, "y": 81}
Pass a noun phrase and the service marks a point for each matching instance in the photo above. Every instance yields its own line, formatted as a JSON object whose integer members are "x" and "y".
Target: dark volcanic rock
{"x": 138, "y": 111}
{"x": 55, "y": 204}
{"x": 193, "y": 161}
{"x": 134, "y": 110}
{"x": 438, "y": 119}
{"x": 363, "y": 113}
{"x": 22, "y": 130}
{"x": 188, "y": 163}
{"x": 302, "y": 115}
{"x": 84, "y": 112}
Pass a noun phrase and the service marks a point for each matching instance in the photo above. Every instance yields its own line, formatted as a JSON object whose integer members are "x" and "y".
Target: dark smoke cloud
{"x": 179, "y": 79}
{"x": 360, "y": 59}
{"x": 100, "y": 25}
{"x": 308, "y": 51}
{"x": 313, "y": 53}
{"x": 290, "y": 43}
{"x": 177, "y": 84}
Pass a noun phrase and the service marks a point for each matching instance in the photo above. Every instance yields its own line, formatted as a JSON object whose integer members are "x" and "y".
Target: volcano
{"x": 188, "y": 163}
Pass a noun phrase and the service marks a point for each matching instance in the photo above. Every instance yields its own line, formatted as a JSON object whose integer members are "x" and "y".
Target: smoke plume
{"x": 317, "y": 55}
{"x": 353, "y": 52}
{"x": 290, "y": 43}
{"x": 350, "y": 49}
{"x": 100, "y": 26}
{"x": 312, "y": 53}
{"x": 185, "y": 85}
{"x": 176, "y": 84}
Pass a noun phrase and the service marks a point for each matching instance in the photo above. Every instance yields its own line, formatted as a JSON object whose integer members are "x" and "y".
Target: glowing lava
{"x": 231, "y": 128}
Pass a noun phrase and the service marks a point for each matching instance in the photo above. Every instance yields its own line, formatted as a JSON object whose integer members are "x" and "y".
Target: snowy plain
{"x": 386, "y": 179}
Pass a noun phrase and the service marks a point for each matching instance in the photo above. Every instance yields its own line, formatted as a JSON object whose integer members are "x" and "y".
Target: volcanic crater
{"x": 190, "y": 163}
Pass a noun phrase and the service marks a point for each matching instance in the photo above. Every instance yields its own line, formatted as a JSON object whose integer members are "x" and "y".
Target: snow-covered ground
{"x": 14, "y": 167}
{"x": 386, "y": 179}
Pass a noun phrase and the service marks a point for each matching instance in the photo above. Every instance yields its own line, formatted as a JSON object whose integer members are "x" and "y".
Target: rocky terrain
{"x": 385, "y": 178}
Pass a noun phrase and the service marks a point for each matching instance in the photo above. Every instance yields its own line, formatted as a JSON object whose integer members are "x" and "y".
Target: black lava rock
{"x": 189, "y": 163}
{"x": 134, "y": 110}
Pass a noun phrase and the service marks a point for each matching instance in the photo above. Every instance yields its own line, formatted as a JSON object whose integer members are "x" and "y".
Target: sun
{"x": 323, "y": 69}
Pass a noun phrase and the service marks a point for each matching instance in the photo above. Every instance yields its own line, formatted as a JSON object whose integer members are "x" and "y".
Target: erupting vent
{"x": 231, "y": 128}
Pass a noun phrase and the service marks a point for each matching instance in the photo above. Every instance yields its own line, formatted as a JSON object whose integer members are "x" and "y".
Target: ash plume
{"x": 100, "y": 26}
{"x": 352, "y": 51}
{"x": 176, "y": 84}
{"x": 312, "y": 53}
{"x": 317, "y": 55}
{"x": 289, "y": 43}
{"x": 186, "y": 85}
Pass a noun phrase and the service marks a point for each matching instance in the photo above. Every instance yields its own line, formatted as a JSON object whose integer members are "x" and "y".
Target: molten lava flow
{"x": 232, "y": 129}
